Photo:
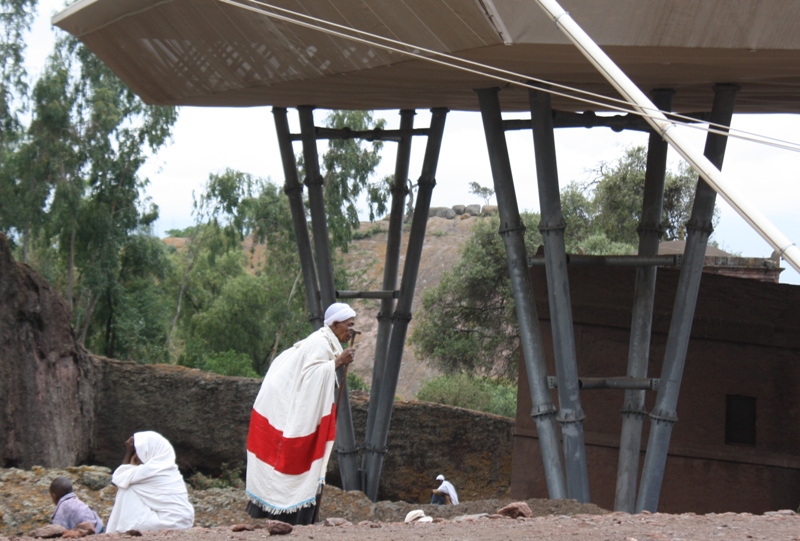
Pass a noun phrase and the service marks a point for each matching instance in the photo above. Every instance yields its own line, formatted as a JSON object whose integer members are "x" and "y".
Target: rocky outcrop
{"x": 442, "y": 212}
{"x": 47, "y": 382}
{"x": 472, "y": 210}
{"x": 450, "y": 213}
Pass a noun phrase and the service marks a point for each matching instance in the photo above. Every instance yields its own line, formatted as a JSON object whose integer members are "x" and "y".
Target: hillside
{"x": 365, "y": 262}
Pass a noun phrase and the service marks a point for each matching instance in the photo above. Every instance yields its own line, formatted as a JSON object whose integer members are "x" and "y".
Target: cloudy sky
{"x": 207, "y": 140}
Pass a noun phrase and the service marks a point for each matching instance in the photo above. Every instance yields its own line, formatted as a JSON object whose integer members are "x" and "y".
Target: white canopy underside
{"x": 210, "y": 53}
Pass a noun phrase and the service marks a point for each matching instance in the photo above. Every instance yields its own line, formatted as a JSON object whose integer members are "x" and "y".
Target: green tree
{"x": 347, "y": 167}
{"x": 611, "y": 204}
{"x": 116, "y": 132}
{"x": 16, "y": 17}
{"x": 468, "y": 322}
{"x": 72, "y": 179}
{"x": 235, "y": 308}
{"x": 481, "y": 191}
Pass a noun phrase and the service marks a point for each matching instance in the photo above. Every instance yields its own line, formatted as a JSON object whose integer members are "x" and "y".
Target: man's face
{"x": 343, "y": 329}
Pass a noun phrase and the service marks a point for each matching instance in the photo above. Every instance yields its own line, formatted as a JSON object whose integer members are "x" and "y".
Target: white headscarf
{"x": 338, "y": 311}
{"x": 158, "y": 464}
{"x": 152, "y": 495}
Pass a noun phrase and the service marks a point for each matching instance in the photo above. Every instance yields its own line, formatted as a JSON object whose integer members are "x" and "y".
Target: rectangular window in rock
{"x": 740, "y": 420}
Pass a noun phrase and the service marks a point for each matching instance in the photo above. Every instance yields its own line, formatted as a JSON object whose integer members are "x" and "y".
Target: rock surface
{"x": 43, "y": 373}
{"x": 25, "y": 503}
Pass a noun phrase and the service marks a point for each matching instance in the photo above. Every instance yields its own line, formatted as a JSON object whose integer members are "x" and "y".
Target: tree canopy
{"x": 602, "y": 215}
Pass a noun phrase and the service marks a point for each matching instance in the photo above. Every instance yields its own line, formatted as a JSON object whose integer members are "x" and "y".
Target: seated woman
{"x": 151, "y": 494}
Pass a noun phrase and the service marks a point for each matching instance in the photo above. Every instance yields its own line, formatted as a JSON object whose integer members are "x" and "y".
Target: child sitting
{"x": 70, "y": 511}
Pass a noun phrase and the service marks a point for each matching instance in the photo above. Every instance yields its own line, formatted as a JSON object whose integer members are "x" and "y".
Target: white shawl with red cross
{"x": 293, "y": 425}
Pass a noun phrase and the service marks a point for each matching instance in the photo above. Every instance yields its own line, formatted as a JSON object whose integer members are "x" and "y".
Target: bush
{"x": 356, "y": 383}
{"x": 490, "y": 395}
{"x": 230, "y": 363}
{"x": 229, "y": 477}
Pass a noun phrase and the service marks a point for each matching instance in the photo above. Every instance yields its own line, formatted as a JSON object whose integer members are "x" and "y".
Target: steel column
{"x": 346, "y": 449}
{"x": 699, "y": 227}
{"x": 552, "y": 226}
{"x": 391, "y": 263}
{"x": 513, "y": 234}
{"x": 294, "y": 191}
{"x": 633, "y": 408}
{"x": 316, "y": 202}
{"x": 376, "y": 445}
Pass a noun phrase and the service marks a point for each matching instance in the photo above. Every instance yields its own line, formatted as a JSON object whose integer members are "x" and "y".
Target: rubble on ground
{"x": 25, "y": 503}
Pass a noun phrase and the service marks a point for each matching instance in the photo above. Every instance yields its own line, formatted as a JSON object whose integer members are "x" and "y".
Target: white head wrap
{"x": 338, "y": 311}
{"x": 440, "y": 477}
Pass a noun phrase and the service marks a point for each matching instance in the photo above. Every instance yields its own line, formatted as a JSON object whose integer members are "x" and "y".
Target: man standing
{"x": 293, "y": 423}
{"x": 445, "y": 491}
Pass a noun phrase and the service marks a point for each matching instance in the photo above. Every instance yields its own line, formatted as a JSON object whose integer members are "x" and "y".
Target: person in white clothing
{"x": 151, "y": 494}
{"x": 445, "y": 492}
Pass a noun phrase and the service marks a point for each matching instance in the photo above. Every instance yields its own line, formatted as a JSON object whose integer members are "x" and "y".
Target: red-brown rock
{"x": 276, "y": 527}
{"x": 516, "y": 510}
{"x": 48, "y": 532}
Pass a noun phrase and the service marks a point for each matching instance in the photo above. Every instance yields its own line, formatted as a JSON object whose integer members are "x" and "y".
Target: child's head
{"x": 60, "y": 487}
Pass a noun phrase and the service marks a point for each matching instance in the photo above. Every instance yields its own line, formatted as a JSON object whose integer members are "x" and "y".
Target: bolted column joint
{"x": 664, "y": 416}
{"x": 570, "y": 416}
{"x": 401, "y": 316}
{"x": 556, "y": 227}
{"x": 314, "y": 180}
{"x": 633, "y": 412}
{"x": 425, "y": 180}
{"x": 516, "y": 230}
{"x": 701, "y": 227}
{"x": 351, "y": 451}
{"x": 646, "y": 231}
{"x": 294, "y": 188}
{"x": 543, "y": 410}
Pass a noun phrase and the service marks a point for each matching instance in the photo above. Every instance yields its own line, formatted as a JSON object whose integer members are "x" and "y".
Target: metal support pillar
{"x": 294, "y": 191}
{"x": 664, "y": 414}
{"x": 316, "y": 201}
{"x": 376, "y": 445}
{"x": 392, "y": 261}
{"x": 552, "y": 226}
{"x": 513, "y": 233}
{"x": 346, "y": 449}
{"x": 633, "y": 408}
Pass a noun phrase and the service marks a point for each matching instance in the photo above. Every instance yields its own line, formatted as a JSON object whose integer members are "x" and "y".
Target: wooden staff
{"x": 353, "y": 334}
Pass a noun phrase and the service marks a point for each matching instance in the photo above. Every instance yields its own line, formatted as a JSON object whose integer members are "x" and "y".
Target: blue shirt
{"x": 70, "y": 512}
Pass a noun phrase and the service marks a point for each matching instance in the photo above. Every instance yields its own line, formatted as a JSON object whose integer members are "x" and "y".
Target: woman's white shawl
{"x": 293, "y": 425}
{"x": 152, "y": 495}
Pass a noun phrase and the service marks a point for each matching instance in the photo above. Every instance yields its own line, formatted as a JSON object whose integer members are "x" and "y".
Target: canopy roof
{"x": 212, "y": 53}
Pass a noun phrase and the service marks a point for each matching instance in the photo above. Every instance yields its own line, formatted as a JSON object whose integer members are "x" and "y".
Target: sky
{"x": 208, "y": 140}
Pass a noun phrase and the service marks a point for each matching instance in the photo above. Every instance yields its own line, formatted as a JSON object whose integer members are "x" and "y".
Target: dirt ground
{"x": 24, "y": 505}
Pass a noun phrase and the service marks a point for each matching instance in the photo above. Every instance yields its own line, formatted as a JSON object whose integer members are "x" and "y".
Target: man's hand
{"x": 345, "y": 358}
{"x": 130, "y": 450}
